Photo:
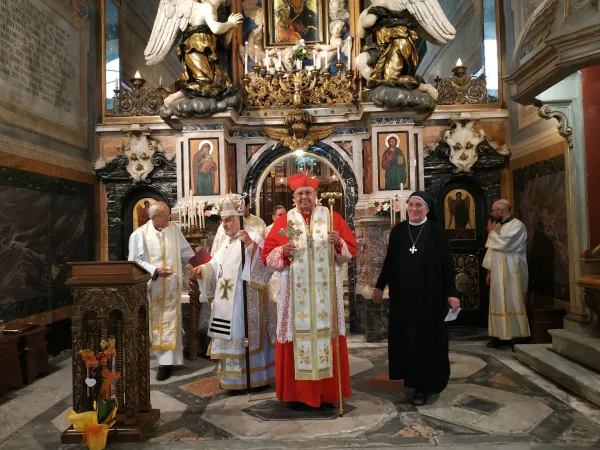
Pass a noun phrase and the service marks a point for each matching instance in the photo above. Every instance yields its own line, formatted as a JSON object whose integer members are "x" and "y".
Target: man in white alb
{"x": 161, "y": 249}
{"x": 506, "y": 262}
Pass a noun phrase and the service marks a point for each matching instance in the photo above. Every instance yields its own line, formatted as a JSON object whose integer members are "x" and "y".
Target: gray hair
{"x": 155, "y": 208}
{"x": 277, "y": 207}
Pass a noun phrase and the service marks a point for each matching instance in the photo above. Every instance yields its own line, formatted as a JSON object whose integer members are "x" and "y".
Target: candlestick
{"x": 338, "y": 52}
{"x": 246, "y": 59}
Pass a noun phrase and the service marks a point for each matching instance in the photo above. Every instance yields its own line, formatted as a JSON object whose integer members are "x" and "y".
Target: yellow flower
{"x": 104, "y": 344}
{"x": 87, "y": 423}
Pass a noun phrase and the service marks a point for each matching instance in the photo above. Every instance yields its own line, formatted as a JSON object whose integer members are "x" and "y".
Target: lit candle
{"x": 338, "y": 52}
{"x": 137, "y": 75}
{"x": 256, "y": 54}
{"x": 267, "y": 59}
{"x": 246, "y": 59}
{"x": 459, "y": 63}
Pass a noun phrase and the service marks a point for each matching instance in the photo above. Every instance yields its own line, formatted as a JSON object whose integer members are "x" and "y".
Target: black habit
{"x": 419, "y": 285}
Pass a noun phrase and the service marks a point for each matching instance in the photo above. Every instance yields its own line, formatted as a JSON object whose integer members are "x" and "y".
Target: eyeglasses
{"x": 304, "y": 194}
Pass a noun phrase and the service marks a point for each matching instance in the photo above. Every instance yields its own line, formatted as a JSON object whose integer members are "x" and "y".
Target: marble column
{"x": 372, "y": 236}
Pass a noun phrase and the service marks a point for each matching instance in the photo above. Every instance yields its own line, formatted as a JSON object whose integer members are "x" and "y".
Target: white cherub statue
{"x": 397, "y": 27}
{"x": 329, "y": 53}
{"x": 202, "y": 74}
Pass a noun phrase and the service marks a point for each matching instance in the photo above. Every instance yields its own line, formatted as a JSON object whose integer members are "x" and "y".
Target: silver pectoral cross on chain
{"x": 413, "y": 249}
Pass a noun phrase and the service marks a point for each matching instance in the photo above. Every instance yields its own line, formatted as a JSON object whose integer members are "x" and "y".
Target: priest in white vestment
{"x": 222, "y": 279}
{"x": 161, "y": 249}
{"x": 506, "y": 262}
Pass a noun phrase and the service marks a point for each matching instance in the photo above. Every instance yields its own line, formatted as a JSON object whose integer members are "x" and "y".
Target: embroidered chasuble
{"x": 506, "y": 258}
{"x": 306, "y": 352}
{"x": 162, "y": 249}
{"x": 222, "y": 279}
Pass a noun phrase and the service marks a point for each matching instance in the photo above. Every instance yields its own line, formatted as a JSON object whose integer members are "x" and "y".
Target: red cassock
{"x": 311, "y": 393}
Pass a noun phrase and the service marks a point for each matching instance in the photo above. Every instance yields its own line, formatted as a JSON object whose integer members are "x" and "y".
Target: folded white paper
{"x": 452, "y": 315}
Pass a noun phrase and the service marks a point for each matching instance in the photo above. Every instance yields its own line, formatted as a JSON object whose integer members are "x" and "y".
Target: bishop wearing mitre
{"x": 298, "y": 246}
{"x": 222, "y": 284}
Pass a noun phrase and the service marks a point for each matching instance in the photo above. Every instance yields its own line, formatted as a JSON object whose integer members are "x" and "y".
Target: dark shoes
{"x": 498, "y": 343}
{"x": 420, "y": 398}
{"x": 164, "y": 373}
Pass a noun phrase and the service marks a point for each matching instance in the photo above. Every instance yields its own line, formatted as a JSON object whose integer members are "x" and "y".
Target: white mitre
{"x": 231, "y": 205}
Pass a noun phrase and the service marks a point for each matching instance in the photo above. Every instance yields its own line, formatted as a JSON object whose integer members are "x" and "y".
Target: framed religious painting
{"x": 459, "y": 215}
{"x": 393, "y": 157}
{"x": 289, "y": 21}
{"x": 139, "y": 214}
{"x": 204, "y": 166}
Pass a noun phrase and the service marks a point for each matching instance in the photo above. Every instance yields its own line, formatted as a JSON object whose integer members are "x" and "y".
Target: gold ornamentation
{"x": 298, "y": 88}
{"x": 302, "y": 316}
{"x": 323, "y": 315}
{"x": 300, "y": 134}
{"x": 139, "y": 101}
{"x": 463, "y": 89}
{"x": 226, "y": 286}
{"x": 304, "y": 355}
{"x": 324, "y": 355}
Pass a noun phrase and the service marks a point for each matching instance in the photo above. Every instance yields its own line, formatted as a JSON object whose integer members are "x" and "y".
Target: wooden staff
{"x": 332, "y": 196}
{"x": 247, "y": 337}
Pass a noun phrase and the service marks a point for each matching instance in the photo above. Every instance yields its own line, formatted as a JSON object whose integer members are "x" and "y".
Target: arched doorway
{"x": 327, "y": 164}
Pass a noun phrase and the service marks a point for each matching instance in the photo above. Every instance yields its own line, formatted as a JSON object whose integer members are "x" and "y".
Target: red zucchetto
{"x": 302, "y": 180}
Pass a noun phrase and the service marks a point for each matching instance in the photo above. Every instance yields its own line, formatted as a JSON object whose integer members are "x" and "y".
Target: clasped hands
{"x": 333, "y": 237}
{"x": 378, "y": 298}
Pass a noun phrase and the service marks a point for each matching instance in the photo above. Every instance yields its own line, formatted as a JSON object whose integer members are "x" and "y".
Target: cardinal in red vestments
{"x": 299, "y": 245}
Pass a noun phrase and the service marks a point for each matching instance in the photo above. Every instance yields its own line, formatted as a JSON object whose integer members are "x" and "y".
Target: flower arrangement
{"x": 397, "y": 204}
{"x": 102, "y": 407}
{"x": 211, "y": 212}
{"x": 299, "y": 51}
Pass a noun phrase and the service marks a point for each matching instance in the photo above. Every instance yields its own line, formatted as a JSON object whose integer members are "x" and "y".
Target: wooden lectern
{"x": 110, "y": 299}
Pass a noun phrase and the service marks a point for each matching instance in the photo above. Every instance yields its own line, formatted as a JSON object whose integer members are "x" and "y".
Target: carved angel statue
{"x": 196, "y": 24}
{"x": 398, "y": 28}
{"x": 337, "y": 29}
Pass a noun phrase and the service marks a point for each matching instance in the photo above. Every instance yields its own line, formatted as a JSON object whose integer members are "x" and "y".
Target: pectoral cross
{"x": 226, "y": 286}
{"x": 291, "y": 232}
{"x": 413, "y": 249}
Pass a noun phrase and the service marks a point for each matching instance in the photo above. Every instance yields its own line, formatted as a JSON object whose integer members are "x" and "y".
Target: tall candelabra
{"x": 263, "y": 88}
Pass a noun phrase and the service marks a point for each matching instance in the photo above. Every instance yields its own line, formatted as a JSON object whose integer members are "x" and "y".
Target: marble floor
{"x": 492, "y": 401}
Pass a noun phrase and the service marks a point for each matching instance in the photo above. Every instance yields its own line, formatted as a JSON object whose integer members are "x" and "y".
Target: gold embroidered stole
{"x": 228, "y": 259}
{"x": 162, "y": 250}
{"x": 310, "y": 287}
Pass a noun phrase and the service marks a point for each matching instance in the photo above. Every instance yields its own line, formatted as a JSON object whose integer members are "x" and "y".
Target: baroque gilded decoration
{"x": 201, "y": 35}
{"x": 263, "y": 89}
{"x": 300, "y": 134}
{"x": 398, "y": 29}
{"x": 463, "y": 89}
{"x": 139, "y": 101}
{"x": 463, "y": 145}
{"x": 140, "y": 154}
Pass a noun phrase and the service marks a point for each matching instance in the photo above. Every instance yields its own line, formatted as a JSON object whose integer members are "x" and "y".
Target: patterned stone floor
{"x": 493, "y": 401}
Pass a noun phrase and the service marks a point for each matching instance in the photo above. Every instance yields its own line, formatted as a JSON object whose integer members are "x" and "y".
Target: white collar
{"x": 417, "y": 224}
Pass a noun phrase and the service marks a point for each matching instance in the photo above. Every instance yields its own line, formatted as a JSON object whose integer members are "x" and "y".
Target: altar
{"x": 323, "y": 101}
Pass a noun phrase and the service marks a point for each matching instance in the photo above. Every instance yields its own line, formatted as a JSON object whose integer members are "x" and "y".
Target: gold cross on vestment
{"x": 291, "y": 232}
{"x": 226, "y": 286}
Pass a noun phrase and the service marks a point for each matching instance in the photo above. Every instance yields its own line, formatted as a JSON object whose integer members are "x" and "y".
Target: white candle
{"x": 267, "y": 59}
{"x": 459, "y": 62}
{"x": 314, "y": 53}
{"x": 192, "y": 210}
{"x": 160, "y": 81}
{"x": 246, "y": 59}
{"x": 137, "y": 75}
{"x": 116, "y": 84}
{"x": 349, "y": 55}
{"x": 338, "y": 52}
{"x": 279, "y": 55}
{"x": 326, "y": 59}
{"x": 256, "y": 54}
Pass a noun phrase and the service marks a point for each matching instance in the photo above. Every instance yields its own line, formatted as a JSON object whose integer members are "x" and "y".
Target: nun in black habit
{"x": 419, "y": 271}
